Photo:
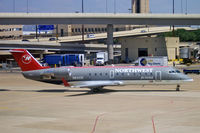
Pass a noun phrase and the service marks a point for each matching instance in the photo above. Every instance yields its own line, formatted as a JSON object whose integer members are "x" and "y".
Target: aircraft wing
{"x": 92, "y": 84}
{"x": 96, "y": 84}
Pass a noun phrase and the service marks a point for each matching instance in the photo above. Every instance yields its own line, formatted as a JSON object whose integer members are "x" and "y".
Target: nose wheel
{"x": 178, "y": 88}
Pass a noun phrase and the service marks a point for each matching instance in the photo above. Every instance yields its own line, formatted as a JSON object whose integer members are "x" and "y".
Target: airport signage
{"x": 46, "y": 27}
{"x": 153, "y": 61}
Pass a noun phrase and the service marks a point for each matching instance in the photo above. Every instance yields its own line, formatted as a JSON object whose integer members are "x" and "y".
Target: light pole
{"x": 114, "y": 6}
{"x": 106, "y": 6}
{"x": 82, "y": 6}
{"x": 182, "y": 6}
{"x": 27, "y": 6}
{"x": 173, "y": 6}
{"x": 186, "y": 7}
{"x": 173, "y": 25}
{"x": 36, "y": 32}
{"x": 13, "y": 5}
{"x": 83, "y": 29}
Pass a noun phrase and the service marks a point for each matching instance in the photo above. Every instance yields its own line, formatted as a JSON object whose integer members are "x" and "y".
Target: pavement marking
{"x": 175, "y": 111}
{"x": 95, "y": 124}
{"x": 153, "y": 124}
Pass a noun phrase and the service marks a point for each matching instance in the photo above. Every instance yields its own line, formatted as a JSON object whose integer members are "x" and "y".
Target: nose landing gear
{"x": 178, "y": 88}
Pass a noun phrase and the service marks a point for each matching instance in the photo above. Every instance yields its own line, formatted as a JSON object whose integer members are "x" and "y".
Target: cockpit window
{"x": 173, "y": 71}
{"x": 177, "y": 71}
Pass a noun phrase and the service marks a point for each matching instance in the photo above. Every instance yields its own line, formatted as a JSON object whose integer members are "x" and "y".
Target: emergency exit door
{"x": 112, "y": 74}
{"x": 158, "y": 76}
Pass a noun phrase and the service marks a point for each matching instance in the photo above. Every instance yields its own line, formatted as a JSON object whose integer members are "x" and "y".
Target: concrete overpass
{"x": 99, "y": 18}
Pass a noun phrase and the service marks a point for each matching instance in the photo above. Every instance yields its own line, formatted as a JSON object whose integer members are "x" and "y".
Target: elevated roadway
{"x": 131, "y": 33}
{"x": 99, "y": 18}
{"x": 6, "y": 45}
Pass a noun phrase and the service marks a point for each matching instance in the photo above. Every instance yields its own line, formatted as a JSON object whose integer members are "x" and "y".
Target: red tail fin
{"x": 25, "y": 60}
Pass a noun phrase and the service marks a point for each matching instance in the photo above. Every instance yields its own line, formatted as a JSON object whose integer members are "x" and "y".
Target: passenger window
{"x": 100, "y": 74}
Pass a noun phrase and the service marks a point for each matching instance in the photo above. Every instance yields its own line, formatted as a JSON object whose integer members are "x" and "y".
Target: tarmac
{"x": 28, "y": 106}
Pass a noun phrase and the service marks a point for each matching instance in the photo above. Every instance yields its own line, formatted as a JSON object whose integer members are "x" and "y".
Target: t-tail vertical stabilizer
{"x": 25, "y": 60}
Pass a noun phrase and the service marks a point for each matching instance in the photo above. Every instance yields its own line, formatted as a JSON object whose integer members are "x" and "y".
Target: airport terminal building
{"x": 10, "y": 31}
{"x": 132, "y": 48}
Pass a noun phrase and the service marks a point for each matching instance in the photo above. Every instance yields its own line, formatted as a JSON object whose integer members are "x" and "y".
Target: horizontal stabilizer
{"x": 16, "y": 51}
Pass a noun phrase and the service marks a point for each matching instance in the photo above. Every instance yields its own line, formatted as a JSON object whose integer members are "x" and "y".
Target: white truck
{"x": 101, "y": 58}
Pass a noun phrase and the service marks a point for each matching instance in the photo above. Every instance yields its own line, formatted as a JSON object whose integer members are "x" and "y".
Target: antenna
{"x": 114, "y": 6}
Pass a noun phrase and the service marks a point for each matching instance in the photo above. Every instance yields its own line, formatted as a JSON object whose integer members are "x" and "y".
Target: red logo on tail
{"x": 26, "y": 59}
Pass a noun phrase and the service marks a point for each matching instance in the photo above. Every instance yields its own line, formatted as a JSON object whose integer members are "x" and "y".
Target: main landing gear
{"x": 178, "y": 88}
{"x": 96, "y": 90}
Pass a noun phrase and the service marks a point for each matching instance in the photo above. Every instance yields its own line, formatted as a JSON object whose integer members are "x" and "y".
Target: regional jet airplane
{"x": 96, "y": 78}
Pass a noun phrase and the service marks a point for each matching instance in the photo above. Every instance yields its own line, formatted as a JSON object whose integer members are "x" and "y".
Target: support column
{"x": 110, "y": 43}
{"x": 41, "y": 55}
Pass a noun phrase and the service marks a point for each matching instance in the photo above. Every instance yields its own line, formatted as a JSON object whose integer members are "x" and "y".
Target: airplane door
{"x": 69, "y": 74}
{"x": 112, "y": 74}
{"x": 158, "y": 76}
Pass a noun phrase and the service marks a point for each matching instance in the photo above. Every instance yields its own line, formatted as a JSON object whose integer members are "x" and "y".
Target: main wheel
{"x": 96, "y": 90}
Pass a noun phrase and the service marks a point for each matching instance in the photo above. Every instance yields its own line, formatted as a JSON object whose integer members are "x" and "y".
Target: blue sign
{"x": 46, "y": 27}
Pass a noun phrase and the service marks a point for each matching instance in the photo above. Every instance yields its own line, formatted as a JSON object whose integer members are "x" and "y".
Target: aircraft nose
{"x": 186, "y": 78}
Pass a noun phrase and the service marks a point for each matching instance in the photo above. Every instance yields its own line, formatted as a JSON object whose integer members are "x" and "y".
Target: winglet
{"x": 66, "y": 84}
